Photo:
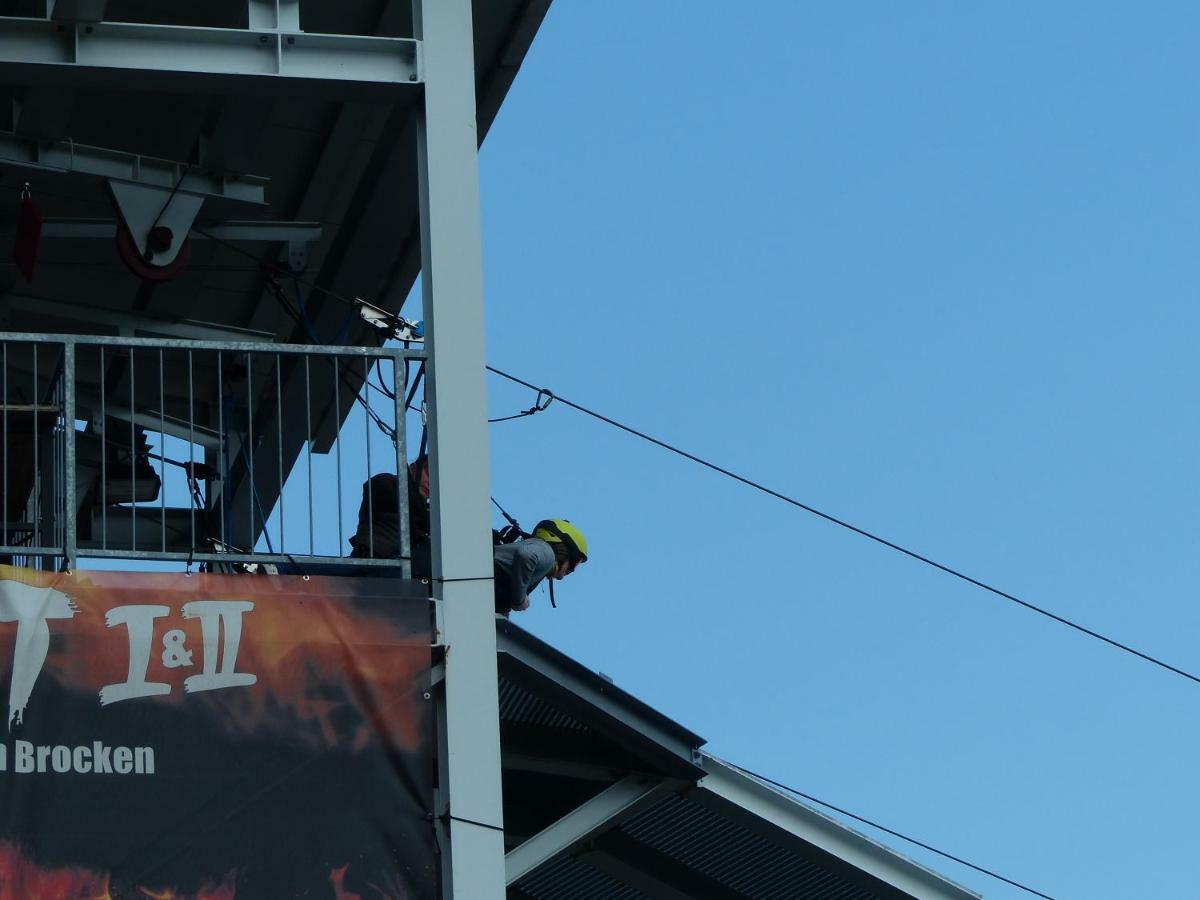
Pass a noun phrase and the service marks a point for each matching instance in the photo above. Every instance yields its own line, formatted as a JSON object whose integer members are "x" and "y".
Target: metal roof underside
{"x": 690, "y": 825}
{"x": 339, "y": 155}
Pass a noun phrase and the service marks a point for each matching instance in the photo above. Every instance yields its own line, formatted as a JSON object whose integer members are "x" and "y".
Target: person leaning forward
{"x": 555, "y": 550}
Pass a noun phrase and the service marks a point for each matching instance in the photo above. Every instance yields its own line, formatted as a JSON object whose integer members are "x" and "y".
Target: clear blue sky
{"x": 929, "y": 267}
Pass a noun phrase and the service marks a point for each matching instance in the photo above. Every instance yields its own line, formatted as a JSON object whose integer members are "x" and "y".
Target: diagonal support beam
{"x": 605, "y": 811}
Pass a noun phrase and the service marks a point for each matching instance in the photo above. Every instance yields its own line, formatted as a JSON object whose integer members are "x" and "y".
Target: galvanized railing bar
{"x": 24, "y": 550}
{"x": 366, "y": 397}
{"x": 337, "y": 405}
{"x": 70, "y": 506}
{"x": 223, "y": 446}
{"x": 5, "y": 511}
{"x": 191, "y": 473}
{"x": 308, "y": 448}
{"x": 132, "y": 456}
{"x": 207, "y": 556}
{"x": 162, "y": 449}
{"x": 228, "y": 346}
{"x": 279, "y": 446}
{"x": 247, "y": 445}
{"x": 103, "y": 458}
{"x": 403, "y": 499}
{"x": 37, "y": 457}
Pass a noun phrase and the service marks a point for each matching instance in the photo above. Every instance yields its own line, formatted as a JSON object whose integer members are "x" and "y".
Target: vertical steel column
{"x": 452, "y": 281}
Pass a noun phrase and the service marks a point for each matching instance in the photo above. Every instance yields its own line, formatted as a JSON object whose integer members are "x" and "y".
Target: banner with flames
{"x": 204, "y": 737}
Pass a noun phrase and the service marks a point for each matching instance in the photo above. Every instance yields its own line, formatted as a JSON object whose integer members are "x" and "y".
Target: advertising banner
{"x": 208, "y": 737}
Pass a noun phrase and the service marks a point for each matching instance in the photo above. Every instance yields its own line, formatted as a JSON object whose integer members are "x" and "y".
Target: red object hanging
{"x": 28, "y": 238}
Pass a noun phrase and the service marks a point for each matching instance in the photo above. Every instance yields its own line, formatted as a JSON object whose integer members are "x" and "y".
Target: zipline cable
{"x": 854, "y": 528}
{"x": 862, "y": 532}
{"x": 884, "y": 828}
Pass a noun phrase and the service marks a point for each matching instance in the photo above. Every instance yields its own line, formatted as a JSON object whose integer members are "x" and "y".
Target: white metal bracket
{"x": 158, "y": 219}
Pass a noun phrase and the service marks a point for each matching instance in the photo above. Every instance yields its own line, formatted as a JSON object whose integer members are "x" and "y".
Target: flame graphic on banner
{"x": 284, "y": 724}
{"x": 313, "y": 648}
{"x": 22, "y": 879}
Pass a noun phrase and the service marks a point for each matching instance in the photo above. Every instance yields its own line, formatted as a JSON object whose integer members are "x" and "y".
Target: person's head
{"x": 567, "y": 542}
{"x": 418, "y": 471}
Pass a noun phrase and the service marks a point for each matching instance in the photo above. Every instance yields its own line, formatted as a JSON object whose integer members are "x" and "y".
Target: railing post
{"x": 70, "y": 507}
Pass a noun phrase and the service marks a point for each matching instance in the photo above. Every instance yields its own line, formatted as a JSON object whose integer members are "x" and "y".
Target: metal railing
{"x": 200, "y": 451}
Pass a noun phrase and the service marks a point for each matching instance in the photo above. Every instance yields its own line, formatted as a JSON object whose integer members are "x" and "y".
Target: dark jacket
{"x": 378, "y": 533}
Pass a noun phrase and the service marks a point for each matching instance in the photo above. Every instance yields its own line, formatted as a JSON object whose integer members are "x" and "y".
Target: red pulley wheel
{"x": 132, "y": 257}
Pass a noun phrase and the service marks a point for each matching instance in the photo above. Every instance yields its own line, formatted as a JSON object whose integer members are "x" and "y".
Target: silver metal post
{"x": 469, "y": 800}
{"x": 162, "y": 452}
{"x": 37, "y": 454}
{"x": 132, "y": 455}
{"x": 6, "y": 443}
{"x": 337, "y": 404}
{"x": 191, "y": 453}
{"x": 370, "y": 492}
{"x": 223, "y": 451}
{"x": 70, "y": 533}
{"x": 402, "y": 497}
{"x": 279, "y": 446}
{"x": 247, "y": 448}
{"x": 308, "y": 440}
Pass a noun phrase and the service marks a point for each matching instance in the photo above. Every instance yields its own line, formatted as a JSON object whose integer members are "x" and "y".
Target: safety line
{"x": 854, "y": 528}
{"x": 786, "y": 499}
{"x": 884, "y": 828}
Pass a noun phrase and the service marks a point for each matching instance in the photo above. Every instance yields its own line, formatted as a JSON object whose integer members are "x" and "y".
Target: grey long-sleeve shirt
{"x": 518, "y": 569}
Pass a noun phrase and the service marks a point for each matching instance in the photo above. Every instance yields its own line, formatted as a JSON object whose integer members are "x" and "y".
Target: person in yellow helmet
{"x": 555, "y": 550}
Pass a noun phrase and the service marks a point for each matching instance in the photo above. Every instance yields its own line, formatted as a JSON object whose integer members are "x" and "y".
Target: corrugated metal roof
{"x": 519, "y": 705}
{"x": 568, "y": 878}
{"x": 726, "y": 852}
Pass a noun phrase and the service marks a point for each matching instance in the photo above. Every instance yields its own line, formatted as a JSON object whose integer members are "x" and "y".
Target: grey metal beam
{"x": 607, "y": 810}
{"x": 183, "y": 58}
{"x": 770, "y": 813}
{"x": 128, "y": 168}
{"x": 469, "y": 798}
{"x": 248, "y": 230}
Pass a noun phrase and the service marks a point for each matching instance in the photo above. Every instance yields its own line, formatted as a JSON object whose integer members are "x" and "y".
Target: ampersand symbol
{"x": 174, "y": 655}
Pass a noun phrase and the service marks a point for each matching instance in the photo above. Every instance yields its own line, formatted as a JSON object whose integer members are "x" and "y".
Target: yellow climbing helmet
{"x": 560, "y": 531}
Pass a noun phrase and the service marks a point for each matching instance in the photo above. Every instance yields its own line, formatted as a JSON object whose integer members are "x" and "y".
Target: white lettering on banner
{"x": 97, "y": 759}
{"x": 139, "y": 623}
{"x": 30, "y": 607}
{"x": 212, "y": 615}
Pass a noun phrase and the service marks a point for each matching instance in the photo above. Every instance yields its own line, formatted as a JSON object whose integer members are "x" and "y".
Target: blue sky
{"x": 927, "y": 267}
